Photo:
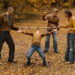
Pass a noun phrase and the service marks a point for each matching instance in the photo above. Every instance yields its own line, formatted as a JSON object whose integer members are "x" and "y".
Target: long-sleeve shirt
{"x": 4, "y": 26}
{"x": 71, "y": 24}
{"x": 53, "y": 21}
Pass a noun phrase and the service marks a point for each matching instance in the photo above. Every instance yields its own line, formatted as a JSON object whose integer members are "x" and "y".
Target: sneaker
{"x": 46, "y": 65}
{"x": 56, "y": 52}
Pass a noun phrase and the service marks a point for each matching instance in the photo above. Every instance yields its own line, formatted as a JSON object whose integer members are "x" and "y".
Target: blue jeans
{"x": 36, "y": 48}
{"x": 47, "y": 43}
{"x": 39, "y": 50}
{"x": 68, "y": 47}
{"x": 70, "y": 53}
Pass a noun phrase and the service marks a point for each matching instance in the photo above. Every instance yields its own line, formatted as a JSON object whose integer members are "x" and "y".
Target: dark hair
{"x": 69, "y": 13}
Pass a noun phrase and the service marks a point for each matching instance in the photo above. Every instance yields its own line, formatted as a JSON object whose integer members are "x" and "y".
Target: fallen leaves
{"x": 23, "y": 42}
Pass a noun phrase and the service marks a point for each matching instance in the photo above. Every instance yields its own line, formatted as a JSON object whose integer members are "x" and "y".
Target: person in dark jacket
{"x": 6, "y": 24}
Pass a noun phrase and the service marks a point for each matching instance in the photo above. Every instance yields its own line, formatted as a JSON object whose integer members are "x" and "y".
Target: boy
{"x": 53, "y": 21}
{"x": 36, "y": 40}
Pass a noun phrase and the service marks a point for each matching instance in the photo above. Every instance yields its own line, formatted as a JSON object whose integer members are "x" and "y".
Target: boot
{"x": 28, "y": 63}
{"x": 44, "y": 62}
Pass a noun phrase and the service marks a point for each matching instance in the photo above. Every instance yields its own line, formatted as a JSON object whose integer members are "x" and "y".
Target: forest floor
{"x": 56, "y": 65}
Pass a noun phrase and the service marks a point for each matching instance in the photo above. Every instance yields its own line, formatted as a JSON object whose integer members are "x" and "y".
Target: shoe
{"x": 45, "y": 51}
{"x": 11, "y": 61}
{"x": 56, "y": 52}
{"x": 45, "y": 63}
{"x": 27, "y": 64}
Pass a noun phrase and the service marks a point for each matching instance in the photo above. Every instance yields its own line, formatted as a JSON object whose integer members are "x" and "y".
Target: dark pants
{"x": 47, "y": 43}
{"x": 6, "y": 37}
{"x": 70, "y": 52}
{"x": 39, "y": 50}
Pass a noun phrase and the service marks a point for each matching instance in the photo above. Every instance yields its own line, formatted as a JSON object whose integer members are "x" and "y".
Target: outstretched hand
{"x": 20, "y": 30}
{"x": 59, "y": 26}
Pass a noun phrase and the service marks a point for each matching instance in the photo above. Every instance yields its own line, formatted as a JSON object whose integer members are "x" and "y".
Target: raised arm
{"x": 44, "y": 16}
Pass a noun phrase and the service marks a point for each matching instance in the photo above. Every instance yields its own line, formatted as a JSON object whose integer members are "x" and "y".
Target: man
{"x": 70, "y": 52}
{"x": 53, "y": 22}
{"x": 36, "y": 40}
{"x": 6, "y": 24}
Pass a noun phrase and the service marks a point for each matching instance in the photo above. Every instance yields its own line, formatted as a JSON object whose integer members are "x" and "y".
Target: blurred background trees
{"x": 33, "y": 4}
{"x": 29, "y": 8}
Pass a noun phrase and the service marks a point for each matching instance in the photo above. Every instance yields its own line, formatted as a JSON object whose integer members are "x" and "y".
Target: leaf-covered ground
{"x": 23, "y": 42}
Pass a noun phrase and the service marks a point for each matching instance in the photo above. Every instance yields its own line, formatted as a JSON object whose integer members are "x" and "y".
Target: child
{"x": 36, "y": 40}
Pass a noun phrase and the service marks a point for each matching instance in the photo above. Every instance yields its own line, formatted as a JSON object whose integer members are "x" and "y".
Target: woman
{"x": 70, "y": 52}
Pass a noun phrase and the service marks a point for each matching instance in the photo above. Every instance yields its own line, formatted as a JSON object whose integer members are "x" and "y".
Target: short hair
{"x": 68, "y": 12}
{"x": 55, "y": 9}
{"x": 10, "y": 8}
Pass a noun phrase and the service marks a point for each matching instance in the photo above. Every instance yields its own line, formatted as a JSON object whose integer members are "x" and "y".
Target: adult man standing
{"x": 53, "y": 22}
{"x": 6, "y": 24}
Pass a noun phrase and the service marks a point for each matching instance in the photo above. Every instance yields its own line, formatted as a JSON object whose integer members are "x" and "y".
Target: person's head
{"x": 37, "y": 31}
{"x": 55, "y": 12}
{"x": 68, "y": 14}
{"x": 10, "y": 10}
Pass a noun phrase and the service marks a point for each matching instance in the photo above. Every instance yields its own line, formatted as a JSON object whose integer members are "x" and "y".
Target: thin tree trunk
{"x": 71, "y": 3}
{"x": 59, "y": 3}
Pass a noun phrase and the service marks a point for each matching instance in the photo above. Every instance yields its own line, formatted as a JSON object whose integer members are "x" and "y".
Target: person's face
{"x": 10, "y": 12}
{"x": 37, "y": 31}
{"x": 55, "y": 13}
{"x": 66, "y": 15}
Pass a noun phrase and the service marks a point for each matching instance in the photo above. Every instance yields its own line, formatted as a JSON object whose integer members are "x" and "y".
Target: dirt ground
{"x": 23, "y": 42}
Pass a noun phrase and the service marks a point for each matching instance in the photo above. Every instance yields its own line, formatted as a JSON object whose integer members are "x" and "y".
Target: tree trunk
{"x": 71, "y": 3}
{"x": 59, "y": 3}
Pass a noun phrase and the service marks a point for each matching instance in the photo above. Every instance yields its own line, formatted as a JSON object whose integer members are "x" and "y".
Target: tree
{"x": 71, "y": 3}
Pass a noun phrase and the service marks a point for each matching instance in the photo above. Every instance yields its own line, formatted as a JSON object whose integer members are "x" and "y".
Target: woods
{"x": 36, "y": 4}
{"x": 53, "y": 40}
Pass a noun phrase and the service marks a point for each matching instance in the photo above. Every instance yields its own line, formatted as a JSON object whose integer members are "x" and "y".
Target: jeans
{"x": 6, "y": 37}
{"x": 70, "y": 53}
{"x": 47, "y": 43}
{"x": 39, "y": 50}
{"x": 68, "y": 47}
